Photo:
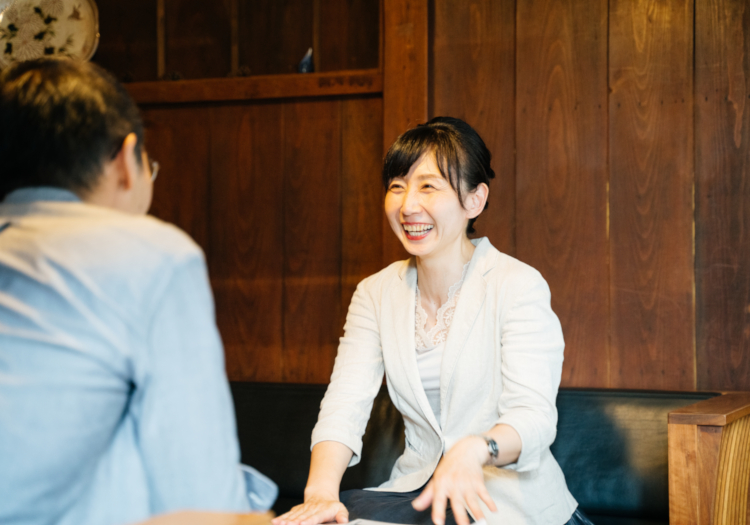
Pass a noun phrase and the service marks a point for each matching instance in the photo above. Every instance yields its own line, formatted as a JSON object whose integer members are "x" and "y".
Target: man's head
{"x": 71, "y": 125}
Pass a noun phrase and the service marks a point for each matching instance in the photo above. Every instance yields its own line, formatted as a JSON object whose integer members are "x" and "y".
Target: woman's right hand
{"x": 315, "y": 510}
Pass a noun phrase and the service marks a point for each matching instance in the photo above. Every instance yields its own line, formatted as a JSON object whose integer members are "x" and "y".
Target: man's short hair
{"x": 60, "y": 121}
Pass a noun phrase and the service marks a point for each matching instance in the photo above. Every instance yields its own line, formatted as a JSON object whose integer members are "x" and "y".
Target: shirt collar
{"x": 41, "y": 193}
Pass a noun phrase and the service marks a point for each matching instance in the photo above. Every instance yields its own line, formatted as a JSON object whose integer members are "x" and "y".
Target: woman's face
{"x": 424, "y": 210}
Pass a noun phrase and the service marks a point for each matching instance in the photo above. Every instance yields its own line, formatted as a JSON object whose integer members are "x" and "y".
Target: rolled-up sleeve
{"x": 356, "y": 379}
{"x": 532, "y": 356}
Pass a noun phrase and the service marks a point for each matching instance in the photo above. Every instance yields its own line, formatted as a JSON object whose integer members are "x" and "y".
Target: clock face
{"x": 36, "y": 28}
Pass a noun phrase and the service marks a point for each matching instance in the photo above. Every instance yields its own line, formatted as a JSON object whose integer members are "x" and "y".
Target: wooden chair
{"x": 709, "y": 461}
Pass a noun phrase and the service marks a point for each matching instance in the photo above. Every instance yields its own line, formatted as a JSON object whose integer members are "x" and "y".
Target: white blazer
{"x": 502, "y": 364}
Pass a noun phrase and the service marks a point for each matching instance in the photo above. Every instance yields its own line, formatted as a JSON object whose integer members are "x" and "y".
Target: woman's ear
{"x": 475, "y": 201}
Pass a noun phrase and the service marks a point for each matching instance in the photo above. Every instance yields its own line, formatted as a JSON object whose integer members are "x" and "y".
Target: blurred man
{"x": 114, "y": 404}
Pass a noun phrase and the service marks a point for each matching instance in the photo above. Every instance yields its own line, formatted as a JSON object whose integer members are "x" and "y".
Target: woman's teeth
{"x": 417, "y": 228}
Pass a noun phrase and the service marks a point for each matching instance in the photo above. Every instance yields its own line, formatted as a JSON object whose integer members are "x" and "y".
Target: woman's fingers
{"x": 481, "y": 490}
{"x": 473, "y": 505}
{"x": 424, "y": 500}
{"x": 439, "y": 502}
{"x": 314, "y": 513}
{"x": 459, "y": 510}
{"x": 342, "y": 516}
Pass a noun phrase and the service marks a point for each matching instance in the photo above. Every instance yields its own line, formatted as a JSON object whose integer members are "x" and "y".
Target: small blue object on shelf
{"x": 306, "y": 64}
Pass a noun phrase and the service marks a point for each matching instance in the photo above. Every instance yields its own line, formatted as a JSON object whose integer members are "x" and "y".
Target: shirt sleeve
{"x": 532, "y": 356}
{"x": 182, "y": 404}
{"x": 356, "y": 379}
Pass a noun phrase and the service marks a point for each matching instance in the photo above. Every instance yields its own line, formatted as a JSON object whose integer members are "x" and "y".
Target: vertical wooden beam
{"x": 722, "y": 193}
{"x": 651, "y": 194}
{"x": 161, "y": 40}
{"x": 561, "y": 184}
{"x": 474, "y": 74}
{"x": 234, "y": 37}
{"x": 405, "y": 79}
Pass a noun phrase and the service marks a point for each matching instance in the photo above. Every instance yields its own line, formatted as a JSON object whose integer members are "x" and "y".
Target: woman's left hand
{"x": 458, "y": 478}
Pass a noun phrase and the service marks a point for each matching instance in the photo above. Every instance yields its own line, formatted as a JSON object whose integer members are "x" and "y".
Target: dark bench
{"x": 612, "y": 446}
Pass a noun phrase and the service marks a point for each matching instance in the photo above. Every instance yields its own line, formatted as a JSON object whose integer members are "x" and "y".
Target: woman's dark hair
{"x": 461, "y": 155}
{"x": 60, "y": 121}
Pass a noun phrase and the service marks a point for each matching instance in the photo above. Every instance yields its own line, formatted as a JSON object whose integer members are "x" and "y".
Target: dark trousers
{"x": 395, "y": 507}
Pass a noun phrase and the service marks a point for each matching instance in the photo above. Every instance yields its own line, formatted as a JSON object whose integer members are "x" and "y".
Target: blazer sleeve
{"x": 356, "y": 379}
{"x": 532, "y": 355}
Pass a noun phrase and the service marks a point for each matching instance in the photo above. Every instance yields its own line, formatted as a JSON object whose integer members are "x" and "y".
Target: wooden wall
{"x": 284, "y": 197}
{"x": 629, "y": 186}
{"x": 619, "y": 130}
{"x": 146, "y": 40}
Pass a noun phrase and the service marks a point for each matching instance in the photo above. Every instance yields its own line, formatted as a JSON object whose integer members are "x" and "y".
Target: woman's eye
{"x": 395, "y": 187}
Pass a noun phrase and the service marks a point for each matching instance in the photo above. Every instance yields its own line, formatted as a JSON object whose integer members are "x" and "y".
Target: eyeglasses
{"x": 154, "y": 170}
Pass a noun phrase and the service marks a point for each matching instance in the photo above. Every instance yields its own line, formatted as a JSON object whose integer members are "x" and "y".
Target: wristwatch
{"x": 491, "y": 447}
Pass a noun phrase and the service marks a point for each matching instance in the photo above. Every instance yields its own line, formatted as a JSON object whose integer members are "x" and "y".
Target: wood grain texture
{"x": 361, "y": 194}
{"x": 405, "y": 72}
{"x": 180, "y": 140}
{"x": 246, "y": 252}
{"x": 127, "y": 46}
{"x": 731, "y": 499}
{"x": 473, "y": 63}
{"x": 198, "y": 38}
{"x": 717, "y": 411}
{"x": 274, "y": 35}
{"x": 349, "y": 36}
{"x": 693, "y": 467}
{"x": 561, "y": 185}
{"x": 312, "y": 239}
{"x": 210, "y": 518}
{"x": 722, "y": 193}
{"x": 651, "y": 185}
{"x": 260, "y": 87}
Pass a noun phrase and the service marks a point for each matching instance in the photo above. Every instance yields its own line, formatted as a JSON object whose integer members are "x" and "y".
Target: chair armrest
{"x": 718, "y": 411}
{"x": 709, "y": 461}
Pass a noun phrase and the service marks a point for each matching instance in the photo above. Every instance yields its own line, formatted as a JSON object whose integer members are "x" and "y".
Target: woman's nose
{"x": 410, "y": 204}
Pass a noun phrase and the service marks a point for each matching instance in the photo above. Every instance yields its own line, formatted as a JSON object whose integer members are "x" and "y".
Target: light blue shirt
{"x": 114, "y": 403}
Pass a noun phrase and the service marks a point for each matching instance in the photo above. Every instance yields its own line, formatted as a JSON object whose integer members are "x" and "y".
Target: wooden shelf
{"x": 353, "y": 82}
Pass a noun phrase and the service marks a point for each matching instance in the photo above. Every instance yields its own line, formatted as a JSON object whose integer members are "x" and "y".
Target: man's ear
{"x": 475, "y": 201}
{"x": 127, "y": 162}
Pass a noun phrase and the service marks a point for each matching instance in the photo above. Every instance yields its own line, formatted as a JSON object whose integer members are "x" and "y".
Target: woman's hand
{"x": 327, "y": 465}
{"x": 459, "y": 478}
{"x": 315, "y": 510}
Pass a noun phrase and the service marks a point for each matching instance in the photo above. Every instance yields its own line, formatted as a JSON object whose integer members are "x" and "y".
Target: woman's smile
{"x": 416, "y": 231}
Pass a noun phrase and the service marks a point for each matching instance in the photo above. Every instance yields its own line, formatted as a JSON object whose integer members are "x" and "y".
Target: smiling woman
{"x": 472, "y": 355}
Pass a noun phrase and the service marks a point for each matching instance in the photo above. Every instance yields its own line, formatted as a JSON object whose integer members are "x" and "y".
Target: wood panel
{"x": 180, "y": 140}
{"x": 198, "y": 38}
{"x": 361, "y": 194}
{"x": 349, "y": 35}
{"x": 246, "y": 252}
{"x": 260, "y": 87}
{"x": 722, "y": 128}
{"x": 651, "y": 184}
{"x": 473, "y": 64}
{"x": 274, "y": 35}
{"x": 404, "y": 83}
{"x": 561, "y": 185}
{"x": 312, "y": 239}
{"x": 127, "y": 46}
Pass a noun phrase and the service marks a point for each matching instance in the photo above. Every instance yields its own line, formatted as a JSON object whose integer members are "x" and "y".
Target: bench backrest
{"x": 611, "y": 444}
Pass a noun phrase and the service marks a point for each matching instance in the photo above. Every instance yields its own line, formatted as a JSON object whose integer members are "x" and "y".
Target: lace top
{"x": 429, "y": 339}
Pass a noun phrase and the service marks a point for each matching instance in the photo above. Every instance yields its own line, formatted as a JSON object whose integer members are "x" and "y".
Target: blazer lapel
{"x": 403, "y": 299}
{"x": 470, "y": 302}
